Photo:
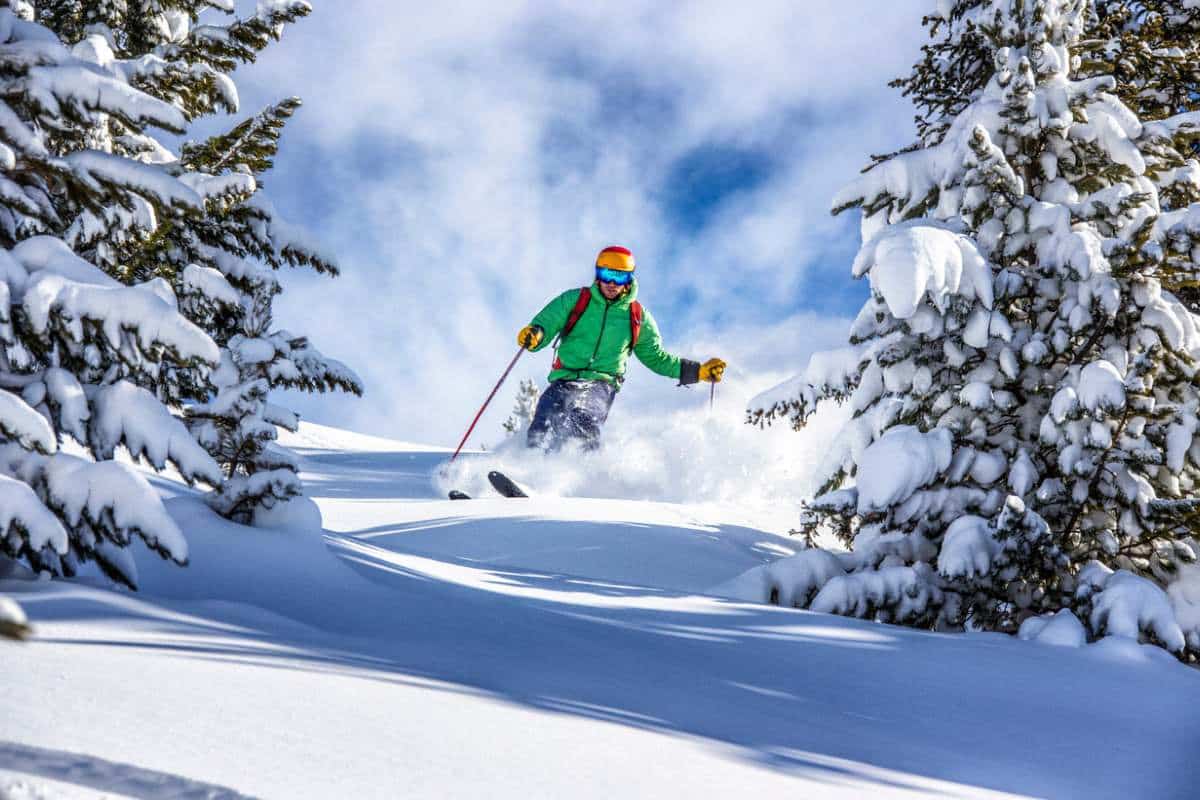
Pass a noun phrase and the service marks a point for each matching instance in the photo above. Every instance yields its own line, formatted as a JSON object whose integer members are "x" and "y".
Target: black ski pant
{"x": 571, "y": 410}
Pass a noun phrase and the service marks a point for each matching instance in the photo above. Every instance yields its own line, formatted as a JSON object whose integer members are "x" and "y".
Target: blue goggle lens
{"x": 614, "y": 276}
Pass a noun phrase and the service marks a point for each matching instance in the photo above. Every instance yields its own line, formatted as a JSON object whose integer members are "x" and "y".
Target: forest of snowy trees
{"x": 136, "y": 281}
{"x": 1022, "y": 453}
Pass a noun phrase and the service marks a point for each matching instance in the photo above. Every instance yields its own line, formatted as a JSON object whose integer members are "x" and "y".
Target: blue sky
{"x": 466, "y": 162}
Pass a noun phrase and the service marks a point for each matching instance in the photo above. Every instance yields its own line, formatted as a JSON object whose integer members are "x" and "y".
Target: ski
{"x": 504, "y": 485}
{"x": 500, "y": 482}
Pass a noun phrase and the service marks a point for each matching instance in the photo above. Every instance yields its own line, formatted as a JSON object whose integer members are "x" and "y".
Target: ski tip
{"x": 455, "y": 494}
{"x": 504, "y": 485}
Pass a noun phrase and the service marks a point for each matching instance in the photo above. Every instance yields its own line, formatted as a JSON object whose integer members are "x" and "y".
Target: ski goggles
{"x": 619, "y": 277}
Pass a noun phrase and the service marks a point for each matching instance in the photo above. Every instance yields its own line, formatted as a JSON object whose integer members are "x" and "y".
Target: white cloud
{"x": 467, "y": 159}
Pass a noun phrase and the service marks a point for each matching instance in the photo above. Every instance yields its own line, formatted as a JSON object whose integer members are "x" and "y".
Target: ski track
{"x": 514, "y": 634}
{"x": 66, "y": 773}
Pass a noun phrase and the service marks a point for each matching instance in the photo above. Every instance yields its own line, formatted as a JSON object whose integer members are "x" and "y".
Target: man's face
{"x": 611, "y": 291}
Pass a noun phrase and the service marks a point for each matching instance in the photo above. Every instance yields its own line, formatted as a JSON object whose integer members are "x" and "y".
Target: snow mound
{"x": 789, "y": 581}
{"x": 298, "y": 514}
{"x": 1063, "y": 629}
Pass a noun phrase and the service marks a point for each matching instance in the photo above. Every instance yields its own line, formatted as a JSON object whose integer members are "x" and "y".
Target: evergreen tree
{"x": 238, "y": 425}
{"x": 220, "y": 263}
{"x": 77, "y": 347}
{"x": 225, "y": 265}
{"x": 1152, "y": 49}
{"x": 1022, "y": 379}
{"x": 95, "y": 346}
{"x": 160, "y": 48}
{"x": 523, "y": 409}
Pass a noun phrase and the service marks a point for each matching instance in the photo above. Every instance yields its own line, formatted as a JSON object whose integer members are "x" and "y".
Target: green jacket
{"x": 598, "y": 346}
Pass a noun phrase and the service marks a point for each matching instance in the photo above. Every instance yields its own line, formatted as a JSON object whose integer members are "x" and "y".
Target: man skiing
{"x": 597, "y": 328}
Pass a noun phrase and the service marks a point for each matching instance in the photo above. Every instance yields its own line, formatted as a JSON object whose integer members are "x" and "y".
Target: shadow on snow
{"x": 821, "y": 696}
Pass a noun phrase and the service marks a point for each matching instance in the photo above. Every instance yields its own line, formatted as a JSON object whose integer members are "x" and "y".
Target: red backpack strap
{"x": 581, "y": 304}
{"x": 635, "y": 323}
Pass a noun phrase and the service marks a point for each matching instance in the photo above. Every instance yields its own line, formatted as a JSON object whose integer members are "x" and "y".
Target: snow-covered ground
{"x": 550, "y": 647}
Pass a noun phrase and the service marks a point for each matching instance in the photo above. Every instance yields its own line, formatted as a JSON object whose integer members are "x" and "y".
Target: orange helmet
{"x": 618, "y": 258}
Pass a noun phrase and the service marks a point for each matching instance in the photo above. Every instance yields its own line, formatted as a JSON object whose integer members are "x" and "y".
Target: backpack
{"x": 581, "y": 304}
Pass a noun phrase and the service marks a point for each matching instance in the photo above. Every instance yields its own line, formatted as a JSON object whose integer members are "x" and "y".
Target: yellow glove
{"x": 530, "y": 337}
{"x": 712, "y": 370}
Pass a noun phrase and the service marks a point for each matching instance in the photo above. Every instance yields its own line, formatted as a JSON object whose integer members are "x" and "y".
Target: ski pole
{"x": 482, "y": 408}
{"x": 712, "y": 396}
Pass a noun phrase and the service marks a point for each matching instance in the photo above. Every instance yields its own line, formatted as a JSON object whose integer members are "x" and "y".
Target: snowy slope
{"x": 554, "y": 647}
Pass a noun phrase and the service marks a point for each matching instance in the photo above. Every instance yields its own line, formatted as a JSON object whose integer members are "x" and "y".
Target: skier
{"x": 597, "y": 328}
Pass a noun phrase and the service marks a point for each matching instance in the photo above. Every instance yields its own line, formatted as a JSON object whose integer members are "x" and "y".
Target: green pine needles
{"x": 1023, "y": 379}
{"x": 136, "y": 284}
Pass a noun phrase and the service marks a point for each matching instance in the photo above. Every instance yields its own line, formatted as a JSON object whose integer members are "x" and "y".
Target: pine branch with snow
{"x": 221, "y": 259}
{"x": 250, "y": 146}
{"x": 166, "y": 51}
{"x": 77, "y": 344}
{"x": 227, "y": 263}
{"x": 96, "y": 344}
{"x": 1022, "y": 379}
{"x": 238, "y": 424}
{"x": 224, "y": 47}
{"x": 79, "y": 348}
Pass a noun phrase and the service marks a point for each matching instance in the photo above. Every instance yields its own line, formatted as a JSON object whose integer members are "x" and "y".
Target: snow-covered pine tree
{"x": 162, "y": 48}
{"x": 238, "y": 424}
{"x": 1152, "y": 49}
{"x": 1023, "y": 386}
{"x": 225, "y": 266}
{"x": 523, "y": 408}
{"x": 76, "y": 345}
{"x": 222, "y": 263}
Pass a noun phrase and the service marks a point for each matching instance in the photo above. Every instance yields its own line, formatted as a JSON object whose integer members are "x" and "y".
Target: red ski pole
{"x": 482, "y": 408}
